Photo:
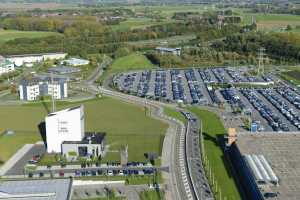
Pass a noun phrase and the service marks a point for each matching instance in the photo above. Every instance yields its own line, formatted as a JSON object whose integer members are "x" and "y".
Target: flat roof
{"x": 38, "y": 54}
{"x": 282, "y": 151}
{"x": 89, "y": 138}
{"x": 41, "y": 189}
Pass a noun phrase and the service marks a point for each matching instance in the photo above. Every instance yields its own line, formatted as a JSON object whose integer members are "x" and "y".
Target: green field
{"x": 293, "y": 76}
{"x": 6, "y": 35}
{"x": 151, "y": 195}
{"x": 124, "y": 124}
{"x": 136, "y": 23}
{"x": 134, "y": 61}
{"x": 269, "y": 22}
{"x": 213, "y": 128}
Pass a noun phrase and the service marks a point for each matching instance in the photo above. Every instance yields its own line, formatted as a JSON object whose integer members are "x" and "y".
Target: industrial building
{"x": 47, "y": 189}
{"x": 29, "y": 59}
{"x": 36, "y": 87}
{"x": 63, "y": 70}
{"x": 92, "y": 145}
{"x": 6, "y": 66}
{"x": 164, "y": 50}
{"x": 267, "y": 164}
{"x": 62, "y": 126}
{"x": 75, "y": 62}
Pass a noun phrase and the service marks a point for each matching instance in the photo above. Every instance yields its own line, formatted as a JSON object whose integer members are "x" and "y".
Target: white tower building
{"x": 65, "y": 125}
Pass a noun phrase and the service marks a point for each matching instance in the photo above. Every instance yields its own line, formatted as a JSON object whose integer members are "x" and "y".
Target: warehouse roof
{"x": 45, "y": 189}
{"x": 282, "y": 152}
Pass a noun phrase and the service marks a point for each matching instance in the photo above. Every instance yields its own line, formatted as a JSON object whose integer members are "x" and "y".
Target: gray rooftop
{"x": 47, "y": 189}
{"x": 282, "y": 151}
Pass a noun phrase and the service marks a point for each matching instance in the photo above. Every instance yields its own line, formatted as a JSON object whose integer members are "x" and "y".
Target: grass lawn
{"x": 212, "y": 128}
{"x": 151, "y": 195}
{"x": 173, "y": 113}
{"x": 124, "y": 124}
{"x": 134, "y": 61}
{"x": 6, "y": 35}
{"x": 292, "y": 76}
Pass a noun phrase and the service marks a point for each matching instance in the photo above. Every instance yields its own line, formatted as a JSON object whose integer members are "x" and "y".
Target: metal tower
{"x": 261, "y": 57}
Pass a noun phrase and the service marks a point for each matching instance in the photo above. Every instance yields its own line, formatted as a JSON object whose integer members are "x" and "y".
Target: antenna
{"x": 52, "y": 95}
{"x": 261, "y": 57}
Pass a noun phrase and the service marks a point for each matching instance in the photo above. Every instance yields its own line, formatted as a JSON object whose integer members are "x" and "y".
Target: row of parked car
{"x": 177, "y": 86}
{"x": 194, "y": 87}
{"x": 265, "y": 111}
{"x": 282, "y": 106}
{"x": 129, "y": 81}
{"x": 232, "y": 97}
{"x": 160, "y": 89}
{"x": 143, "y": 85}
{"x": 220, "y": 75}
{"x": 292, "y": 97}
{"x": 205, "y": 75}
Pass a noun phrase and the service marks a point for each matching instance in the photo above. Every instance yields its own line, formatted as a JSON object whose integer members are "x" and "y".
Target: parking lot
{"x": 272, "y": 109}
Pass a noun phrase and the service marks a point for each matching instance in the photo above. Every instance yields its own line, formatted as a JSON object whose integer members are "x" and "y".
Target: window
{"x": 82, "y": 151}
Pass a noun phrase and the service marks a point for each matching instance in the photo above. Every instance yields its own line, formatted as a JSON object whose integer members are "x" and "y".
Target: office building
{"x": 75, "y": 62}
{"x": 164, "y": 50}
{"x": 92, "y": 145}
{"x": 64, "y": 125}
{"x": 29, "y": 59}
{"x": 6, "y": 66}
{"x": 34, "y": 88}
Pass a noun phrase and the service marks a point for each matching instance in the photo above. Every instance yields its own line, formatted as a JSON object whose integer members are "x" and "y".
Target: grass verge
{"x": 212, "y": 129}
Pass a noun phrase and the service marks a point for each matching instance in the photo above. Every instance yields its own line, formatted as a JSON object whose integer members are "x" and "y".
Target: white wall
{"x": 66, "y": 125}
{"x": 30, "y": 59}
{"x": 7, "y": 69}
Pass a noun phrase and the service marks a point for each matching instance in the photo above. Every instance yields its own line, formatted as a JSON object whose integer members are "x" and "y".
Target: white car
{"x": 110, "y": 173}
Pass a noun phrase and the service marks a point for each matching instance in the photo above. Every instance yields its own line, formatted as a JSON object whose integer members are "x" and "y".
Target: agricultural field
{"x": 269, "y": 22}
{"x": 7, "y": 35}
{"x": 124, "y": 123}
{"x": 212, "y": 129}
{"x": 136, "y": 23}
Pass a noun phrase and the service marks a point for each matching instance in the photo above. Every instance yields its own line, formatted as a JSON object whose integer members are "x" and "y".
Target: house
{"x": 6, "y": 66}
{"x": 164, "y": 50}
{"x": 29, "y": 59}
{"x": 32, "y": 89}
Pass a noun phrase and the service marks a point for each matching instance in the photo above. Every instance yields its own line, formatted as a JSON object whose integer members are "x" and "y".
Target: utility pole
{"x": 53, "y": 98}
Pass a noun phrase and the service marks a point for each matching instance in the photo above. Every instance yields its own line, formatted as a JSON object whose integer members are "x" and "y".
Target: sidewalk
{"x": 15, "y": 158}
